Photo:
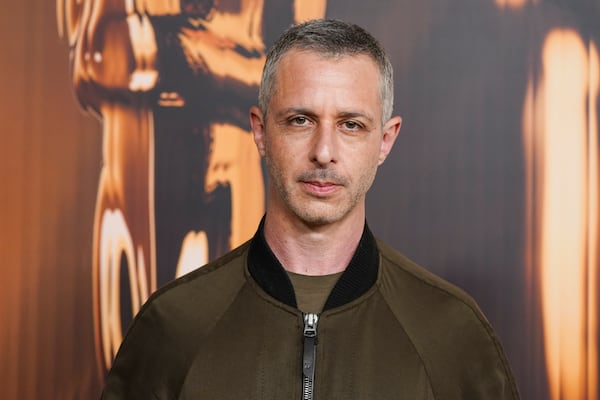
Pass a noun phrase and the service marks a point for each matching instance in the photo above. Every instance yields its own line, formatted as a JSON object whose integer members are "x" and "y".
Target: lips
{"x": 319, "y": 188}
{"x": 321, "y": 185}
{"x": 321, "y": 182}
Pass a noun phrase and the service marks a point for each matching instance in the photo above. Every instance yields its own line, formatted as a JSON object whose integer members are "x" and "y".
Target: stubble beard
{"x": 312, "y": 210}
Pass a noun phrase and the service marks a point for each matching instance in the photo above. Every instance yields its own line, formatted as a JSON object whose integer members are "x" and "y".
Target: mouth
{"x": 321, "y": 182}
{"x": 321, "y": 186}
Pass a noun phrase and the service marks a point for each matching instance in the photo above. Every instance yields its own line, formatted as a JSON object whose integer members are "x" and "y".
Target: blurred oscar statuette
{"x": 181, "y": 180}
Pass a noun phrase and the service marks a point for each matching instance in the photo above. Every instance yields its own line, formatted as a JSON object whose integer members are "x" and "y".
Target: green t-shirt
{"x": 312, "y": 291}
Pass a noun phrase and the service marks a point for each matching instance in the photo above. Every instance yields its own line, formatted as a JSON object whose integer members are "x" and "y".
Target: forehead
{"x": 304, "y": 74}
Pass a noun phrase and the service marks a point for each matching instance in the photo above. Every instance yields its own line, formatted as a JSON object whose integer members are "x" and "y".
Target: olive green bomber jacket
{"x": 389, "y": 330}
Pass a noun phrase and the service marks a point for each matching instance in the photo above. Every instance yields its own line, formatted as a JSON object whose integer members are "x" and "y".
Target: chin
{"x": 320, "y": 217}
{"x": 317, "y": 221}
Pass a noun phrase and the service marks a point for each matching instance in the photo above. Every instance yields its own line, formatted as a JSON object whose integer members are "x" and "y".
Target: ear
{"x": 257, "y": 123}
{"x": 390, "y": 133}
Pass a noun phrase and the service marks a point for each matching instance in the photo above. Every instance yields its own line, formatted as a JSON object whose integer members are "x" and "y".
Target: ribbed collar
{"x": 359, "y": 276}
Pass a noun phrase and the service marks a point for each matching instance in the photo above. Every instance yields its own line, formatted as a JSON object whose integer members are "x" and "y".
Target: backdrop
{"x": 126, "y": 161}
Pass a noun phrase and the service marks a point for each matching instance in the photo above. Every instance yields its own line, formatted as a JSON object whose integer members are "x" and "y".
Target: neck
{"x": 310, "y": 250}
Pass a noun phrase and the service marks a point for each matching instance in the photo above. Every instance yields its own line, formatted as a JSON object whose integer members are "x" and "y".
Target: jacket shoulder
{"x": 396, "y": 265}
{"x": 224, "y": 270}
{"x": 162, "y": 339}
{"x": 458, "y": 346}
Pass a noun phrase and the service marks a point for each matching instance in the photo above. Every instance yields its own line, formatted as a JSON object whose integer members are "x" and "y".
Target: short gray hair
{"x": 330, "y": 38}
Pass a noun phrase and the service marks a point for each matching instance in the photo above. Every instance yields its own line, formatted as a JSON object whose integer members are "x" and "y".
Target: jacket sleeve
{"x": 147, "y": 363}
{"x": 459, "y": 348}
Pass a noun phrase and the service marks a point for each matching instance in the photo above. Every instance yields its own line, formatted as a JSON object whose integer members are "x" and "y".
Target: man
{"x": 314, "y": 306}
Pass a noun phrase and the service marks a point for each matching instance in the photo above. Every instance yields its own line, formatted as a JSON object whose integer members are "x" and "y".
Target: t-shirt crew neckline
{"x": 312, "y": 291}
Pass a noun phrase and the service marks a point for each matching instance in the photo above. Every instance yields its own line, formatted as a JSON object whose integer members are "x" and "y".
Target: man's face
{"x": 322, "y": 137}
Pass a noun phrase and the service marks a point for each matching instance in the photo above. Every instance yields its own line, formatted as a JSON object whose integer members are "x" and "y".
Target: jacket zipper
{"x": 309, "y": 357}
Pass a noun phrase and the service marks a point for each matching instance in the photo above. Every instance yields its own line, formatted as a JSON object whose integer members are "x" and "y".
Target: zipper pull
{"x": 310, "y": 356}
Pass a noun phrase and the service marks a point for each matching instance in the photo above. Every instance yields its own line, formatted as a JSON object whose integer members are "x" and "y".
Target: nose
{"x": 324, "y": 148}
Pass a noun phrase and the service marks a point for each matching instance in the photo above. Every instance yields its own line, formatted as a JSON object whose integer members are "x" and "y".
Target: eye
{"x": 351, "y": 125}
{"x": 299, "y": 120}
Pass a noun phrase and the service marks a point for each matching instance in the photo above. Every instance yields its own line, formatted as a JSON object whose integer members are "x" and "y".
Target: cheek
{"x": 280, "y": 160}
{"x": 367, "y": 156}
{"x": 286, "y": 151}
{"x": 367, "y": 173}
{"x": 365, "y": 165}
{"x": 277, "y": 153}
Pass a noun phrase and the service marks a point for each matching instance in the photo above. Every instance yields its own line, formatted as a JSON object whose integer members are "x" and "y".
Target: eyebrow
{"x": 309, "y": 113}
{"x": 355, "y": 114}
{"x": 294, "y": 110}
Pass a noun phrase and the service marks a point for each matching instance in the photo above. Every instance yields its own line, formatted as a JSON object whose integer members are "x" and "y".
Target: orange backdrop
{"x": 493, "y": 183}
